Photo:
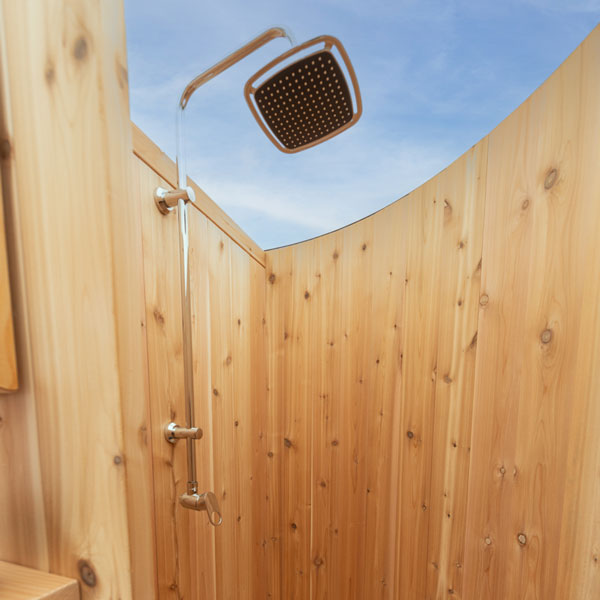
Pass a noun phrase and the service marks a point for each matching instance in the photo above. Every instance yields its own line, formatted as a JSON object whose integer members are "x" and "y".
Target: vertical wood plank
{"x": 419, "y": 367}
{"x": 462, "y": 192}
{"x": 22, "y": 517}
{"x": 384, "y": 402}
{"x": 69, "y": 139}
{"x": 9, "y": 381}
{"x": 538, "y": 260}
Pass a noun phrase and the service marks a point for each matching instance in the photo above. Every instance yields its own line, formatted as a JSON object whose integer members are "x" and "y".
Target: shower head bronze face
{"x": 308, "y": 101}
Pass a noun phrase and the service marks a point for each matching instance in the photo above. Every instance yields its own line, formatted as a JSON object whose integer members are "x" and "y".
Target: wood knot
{"x": 236, "y": 423}
{"x": 318, "y": 561}
{"x": 49, "y": 73}
{"x": 80, "y": 48}
{"x": 215, "y": 392}
{"x": 546, "y": 336}
{"x": 270, "y": 454}
{"x": 410, "y": 435}
{"x": 117, "y": 460}
{"x": 287, "y": 443}
{"x": 228, "y": 360}
{"x": 459, "y": 302}
{"x": 551, "y": 178}
{"x": 306, "y": 295}
{"x": 294, "y": 526}
{"x": 5, "y": 149}
{"x": 322, "y": 483}
{"x": 336, "y": 255}
{"x": 484, "y": 299}
{"x": 158, "y": 316}
{"x": 522, "y": 538}
{"x": 525, "y": 204}
{"x": 447, "y": 379}
{"x": 272, "y": 278}
{"x": 86, "y": 572}
{"x": 334, "y": 443}
{"x": 364, "y": 247}
{"x": 488, "y": 541}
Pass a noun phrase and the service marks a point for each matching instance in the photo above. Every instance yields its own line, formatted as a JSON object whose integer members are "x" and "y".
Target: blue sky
{"x": 435, "y": 77}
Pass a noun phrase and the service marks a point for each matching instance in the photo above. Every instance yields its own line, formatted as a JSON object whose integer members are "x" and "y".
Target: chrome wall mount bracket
{"x": 166, "y": 200}
{"x": 174, "y": 433}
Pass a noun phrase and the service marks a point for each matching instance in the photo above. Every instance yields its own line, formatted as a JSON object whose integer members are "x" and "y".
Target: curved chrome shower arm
{"x": 166, "y": 200}
{"x": 230, "y": 60}
{"x": 233, "y": 58}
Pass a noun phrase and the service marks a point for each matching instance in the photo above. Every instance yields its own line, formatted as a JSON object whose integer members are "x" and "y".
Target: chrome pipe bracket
{"x": 173, "y": 433}
{"x": 166, "y": 200}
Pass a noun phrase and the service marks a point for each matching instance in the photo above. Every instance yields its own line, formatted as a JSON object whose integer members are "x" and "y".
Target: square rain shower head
{"x": 307, "y": 101}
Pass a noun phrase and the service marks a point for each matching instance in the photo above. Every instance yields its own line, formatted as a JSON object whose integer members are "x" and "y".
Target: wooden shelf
{"x": 22, "y": 583}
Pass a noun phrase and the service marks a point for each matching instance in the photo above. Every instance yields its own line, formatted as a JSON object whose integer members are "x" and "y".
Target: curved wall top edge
{"x": 394, "y": 203}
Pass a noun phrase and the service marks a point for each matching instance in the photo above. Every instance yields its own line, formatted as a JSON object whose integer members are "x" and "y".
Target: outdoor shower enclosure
{"x": 407, "y": 408}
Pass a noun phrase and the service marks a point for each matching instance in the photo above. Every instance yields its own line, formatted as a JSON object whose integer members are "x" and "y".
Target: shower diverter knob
{"x": 207, "y": 501}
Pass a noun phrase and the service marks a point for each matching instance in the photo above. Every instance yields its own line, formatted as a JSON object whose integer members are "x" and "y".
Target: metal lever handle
{"x": 207, "y": 501}
{"x": 173, "y": 433}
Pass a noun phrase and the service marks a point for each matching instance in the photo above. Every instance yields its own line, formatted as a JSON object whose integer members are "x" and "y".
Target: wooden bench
{"x": 22, "y": 583}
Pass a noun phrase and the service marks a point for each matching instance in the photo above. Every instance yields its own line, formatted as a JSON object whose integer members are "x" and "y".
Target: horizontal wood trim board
{"x": 149, "y": 153}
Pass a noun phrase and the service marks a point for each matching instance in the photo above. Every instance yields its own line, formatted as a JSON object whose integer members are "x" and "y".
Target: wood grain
{"x": 228, "y": 296}
{"x": 22, "y": 583}
{"x": 532, "y": 527}
{"x": 70, "y": 154}
{"x": 354, "y": 341}
{"x": 431, "y": 374}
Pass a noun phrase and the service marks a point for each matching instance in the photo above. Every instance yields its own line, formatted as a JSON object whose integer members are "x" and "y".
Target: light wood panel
{"x": 196, "y": 560}
{"x": 532, "y": 519}
{"x": 22, "y": 518}
{"x": 458, "y": 290}
{"x": 64, "y": 109}
{"x": 22, "y": 583}
{"x": 433, "y": 394}
{"x": 354, "y": 330}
